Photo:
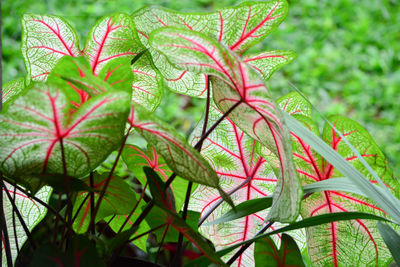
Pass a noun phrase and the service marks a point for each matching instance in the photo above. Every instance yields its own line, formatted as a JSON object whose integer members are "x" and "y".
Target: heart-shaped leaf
{"x": 243, "y": 173}
{"x": 237, "y": 86}
{"x": 118, "y": 199}
{"x": 334, "y": 243}
{"x": 31, "y": 211}
{"x": 49, "y": 38}
{"x": 45, "y": 39}
{"x": 238, "y": 27}
{"x": 39, "y": 125}
{"x": 289, "y": 254}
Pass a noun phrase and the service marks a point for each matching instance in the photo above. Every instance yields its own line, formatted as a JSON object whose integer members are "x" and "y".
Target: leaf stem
{"x": 244, "y": 247}
{"x": 147, "y": 232}
{"x": 13, "y": 219}
{"x": 92, "y": 228}
{"x": 180, "y": 247}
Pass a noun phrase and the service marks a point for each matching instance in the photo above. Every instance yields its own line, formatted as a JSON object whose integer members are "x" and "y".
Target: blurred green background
{"x": 348, "y": 56}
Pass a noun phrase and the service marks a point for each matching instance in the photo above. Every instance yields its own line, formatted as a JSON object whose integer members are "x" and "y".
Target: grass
{"x": 348, "y": 56}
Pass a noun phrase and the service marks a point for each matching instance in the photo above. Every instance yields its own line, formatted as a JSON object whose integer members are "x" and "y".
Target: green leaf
{"x": 31, "y": 211}
{"x": 183, "y": 159}
{"x": 326, "y": 242}
{"x": 118, "y": 199}
{"x": 38, "y": 122}
{"x": 238, "y": 85}
{"x": 136, "y": 158}
{"x": 338, "y": 184}
{"x": 391, "y": 238}
{"x": 46, "y": 39}
{"x": 238, "y": 27}
{"x": 289, "y": 254}
{"x": 244, "y": 209}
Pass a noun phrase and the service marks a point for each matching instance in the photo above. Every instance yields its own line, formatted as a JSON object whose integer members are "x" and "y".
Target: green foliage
{"x": 79, "y": 120}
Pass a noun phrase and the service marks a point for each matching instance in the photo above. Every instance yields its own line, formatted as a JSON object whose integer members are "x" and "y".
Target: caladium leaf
{"x": 39, "y": 124}
{"x": 182, "y": 158}
{"x": 243, "y": 173}
{"x": 45, "y": 39}
{"x": 289, "y": 254}
{"x": 31, "y": 211}
{"x": 162, "y": 195}
{"x": 118, "y": 199}
{"x": 238, "y": 86}
{"x": 333, "y": 244}
{"x": 12, "y": 89}
{"x": 75, "y": 75}
{"x": 137, "y": 158}
{"x": 112, "y": 36}
{"x": 148, "y": 87}
{"x": 267, "y": 62}
{"x": 238, "y": 27}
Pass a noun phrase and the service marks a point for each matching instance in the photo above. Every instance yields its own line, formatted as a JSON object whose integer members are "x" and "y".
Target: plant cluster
{"x": 254, "y": 175}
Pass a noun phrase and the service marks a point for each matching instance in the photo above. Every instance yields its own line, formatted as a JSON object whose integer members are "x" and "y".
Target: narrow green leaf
{"x": 391, "y": 238}
{"x": 384, "y": 201}
{"x": 309, "y": 222}
{"x": 243, "y": 209}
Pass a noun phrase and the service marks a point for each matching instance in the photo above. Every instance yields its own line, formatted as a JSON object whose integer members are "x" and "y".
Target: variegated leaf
{"x": 40, "y": 123}
{"x": 148, "y": 86}
{"x": 45, "y": 39}
{"x": 12, "y": 89}
{"x": 31, "y": 211}
{"x": 238, "y": 27}
{"x": 182, "y": 158}
{"x": 344, "y": 243}
{"x": 112, "y": 36}
{"x": 232, "y": 153}
{"x": 137, "y": 158}
{"x": 238, "y": 86}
